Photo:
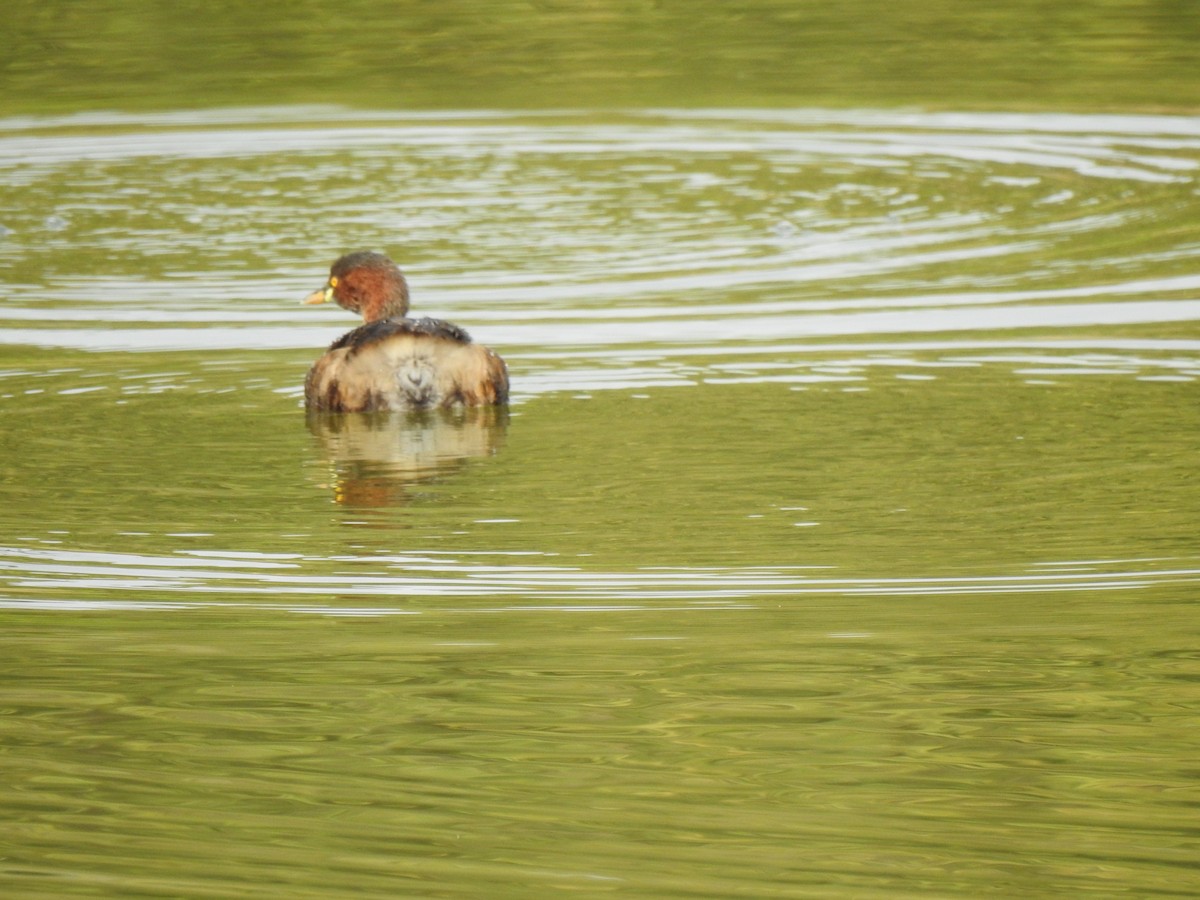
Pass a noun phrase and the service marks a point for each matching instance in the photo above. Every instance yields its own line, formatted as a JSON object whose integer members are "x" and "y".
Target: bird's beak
{"x": 323, "y": 295}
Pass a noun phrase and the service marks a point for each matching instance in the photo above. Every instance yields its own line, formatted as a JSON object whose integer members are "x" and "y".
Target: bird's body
{"x": 393, "y": 362}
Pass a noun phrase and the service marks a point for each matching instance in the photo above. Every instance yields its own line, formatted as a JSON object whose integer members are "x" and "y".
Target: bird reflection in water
{"x": 376, "y": 458}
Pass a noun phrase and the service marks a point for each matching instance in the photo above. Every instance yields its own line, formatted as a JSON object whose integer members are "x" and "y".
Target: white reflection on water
{"x": 716, "y": 229}
{"x": 552, "y": 587}
{"x": 1044, "y": 141}
{"x": 603, "y": 333}
{"x": 635, "y": 367}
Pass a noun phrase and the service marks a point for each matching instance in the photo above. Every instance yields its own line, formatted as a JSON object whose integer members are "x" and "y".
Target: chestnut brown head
{"x": 366, "y": 283}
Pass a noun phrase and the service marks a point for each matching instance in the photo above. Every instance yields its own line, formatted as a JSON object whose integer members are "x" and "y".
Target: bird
{"x": 392, "y": 362}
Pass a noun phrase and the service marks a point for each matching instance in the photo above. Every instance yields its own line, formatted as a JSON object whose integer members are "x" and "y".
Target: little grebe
{"x": 393, "y": 362}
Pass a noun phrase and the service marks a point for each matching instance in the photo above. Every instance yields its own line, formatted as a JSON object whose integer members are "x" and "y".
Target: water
{"x": 840, "y": 540}
{"x": 942, "y": 54}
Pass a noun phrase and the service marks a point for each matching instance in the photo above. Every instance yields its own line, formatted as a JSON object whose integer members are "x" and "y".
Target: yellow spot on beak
{"x": 324, "y": 295}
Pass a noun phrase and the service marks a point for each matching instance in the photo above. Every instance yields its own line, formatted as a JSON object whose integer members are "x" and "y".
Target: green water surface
{"x": 133, "y": 54}
{"x": 840, "y": 541}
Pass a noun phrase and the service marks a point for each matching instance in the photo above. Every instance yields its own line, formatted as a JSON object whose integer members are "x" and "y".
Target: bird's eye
{"x": 333, "y": 281}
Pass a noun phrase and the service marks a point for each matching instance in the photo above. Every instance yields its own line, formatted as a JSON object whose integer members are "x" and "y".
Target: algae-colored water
{"x": 840, "y": 541}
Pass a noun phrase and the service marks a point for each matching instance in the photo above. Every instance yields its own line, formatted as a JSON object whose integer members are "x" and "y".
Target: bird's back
{"x": 400, "y": 364}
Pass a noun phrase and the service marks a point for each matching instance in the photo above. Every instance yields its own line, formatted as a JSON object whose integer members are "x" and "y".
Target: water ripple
{"x": 178, "y": 581}
{"x": 715, "y": 231}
